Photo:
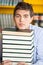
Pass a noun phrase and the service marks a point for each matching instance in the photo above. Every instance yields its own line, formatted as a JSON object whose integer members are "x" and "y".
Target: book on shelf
{"x": 9, "y": 2}
{"x": 6, "y": 20}
{"x": 18, "y": 45}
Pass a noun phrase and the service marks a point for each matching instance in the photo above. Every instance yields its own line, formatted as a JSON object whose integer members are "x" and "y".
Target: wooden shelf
{"x": 37, "y": 7}
{"x": 6, "y": 9}
{"x": 6, "y": 6}
{"x": 35, "y": 2}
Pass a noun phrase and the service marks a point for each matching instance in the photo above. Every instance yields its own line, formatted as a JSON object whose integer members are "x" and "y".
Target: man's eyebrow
{"x": 17, "y": 14}
{"x": 26, "y": 15}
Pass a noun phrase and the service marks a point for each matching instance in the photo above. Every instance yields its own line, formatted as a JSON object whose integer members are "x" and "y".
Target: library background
{"x": 7, "y": 7}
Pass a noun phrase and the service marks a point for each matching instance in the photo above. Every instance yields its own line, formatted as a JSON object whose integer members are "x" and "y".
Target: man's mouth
{"x": 20, "y": 24}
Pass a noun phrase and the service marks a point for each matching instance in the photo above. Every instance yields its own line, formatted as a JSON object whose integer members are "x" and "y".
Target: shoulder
{"x": 37, "y": 30}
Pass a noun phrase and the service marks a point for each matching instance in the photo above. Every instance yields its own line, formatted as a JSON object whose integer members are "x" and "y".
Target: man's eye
{"x": 17, "y": 15}
{"x": 25, "y": 16}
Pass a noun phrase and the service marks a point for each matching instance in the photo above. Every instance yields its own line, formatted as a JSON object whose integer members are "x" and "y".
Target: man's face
{"x": 23, "y": 19}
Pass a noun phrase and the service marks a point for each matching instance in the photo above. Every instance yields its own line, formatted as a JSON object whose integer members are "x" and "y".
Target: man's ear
{"x": 32, "y": 18}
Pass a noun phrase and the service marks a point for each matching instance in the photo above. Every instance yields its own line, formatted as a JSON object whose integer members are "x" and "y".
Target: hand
{"x": 7, "y": 62}
{"x": 21, "y": 63}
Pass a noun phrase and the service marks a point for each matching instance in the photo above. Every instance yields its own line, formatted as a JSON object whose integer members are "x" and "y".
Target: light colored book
{"x": 15, "y": 2}
{"x": 18, "y": 59}
{"x": 18, "y": 46}
{"x": 22, "y": 33}
{"x": 16, "y": 37}
{"x": 17, "y": 55}
{"x": 10, "y": 2}
{"x": 17, "y": 50}
{"x": 22, "y": 42}
{"x": 7, "y": 2}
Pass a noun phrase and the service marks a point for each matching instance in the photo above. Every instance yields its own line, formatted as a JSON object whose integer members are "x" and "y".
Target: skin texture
{"x": 7, "y": 62}
{"x": 21, "y": 63}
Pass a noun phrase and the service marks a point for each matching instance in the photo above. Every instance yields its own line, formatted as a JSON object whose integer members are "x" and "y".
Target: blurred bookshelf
{"x": 38, "y": 10}
{"x": 7, "y": 8}
{"x": 9, "y": 2}
{"x": 8, "y": 5}
{"x": 6, "y": 12}
{"x": 38, "y": 19}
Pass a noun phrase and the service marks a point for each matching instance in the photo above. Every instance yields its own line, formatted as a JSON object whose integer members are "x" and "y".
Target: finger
{"x": 7, "y": 62}
{"x": 21, "y": 63}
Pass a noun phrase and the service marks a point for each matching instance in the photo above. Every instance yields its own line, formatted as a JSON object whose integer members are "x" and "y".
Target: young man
{"x": 23, "y": 17}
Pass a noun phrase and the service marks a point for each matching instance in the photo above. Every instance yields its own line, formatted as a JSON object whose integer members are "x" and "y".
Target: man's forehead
{"x": 22, "y": 12}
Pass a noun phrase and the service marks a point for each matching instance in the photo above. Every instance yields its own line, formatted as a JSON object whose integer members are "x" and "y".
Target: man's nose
{"x": 21, "y": 19}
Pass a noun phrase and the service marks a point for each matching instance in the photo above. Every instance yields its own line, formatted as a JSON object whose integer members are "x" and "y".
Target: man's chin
{"x": 21, "y": 28}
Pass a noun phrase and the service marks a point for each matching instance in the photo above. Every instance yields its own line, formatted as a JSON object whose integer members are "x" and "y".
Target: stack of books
{"x": 18, "y": 45}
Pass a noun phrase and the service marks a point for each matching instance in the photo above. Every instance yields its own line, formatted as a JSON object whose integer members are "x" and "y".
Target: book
{"x": 18, "y": 45}
{"x": 23, "y": 42}
{"x": 16, "y": 37}
{"x": 10, "y": 31}
{"x": 17, "y": 50}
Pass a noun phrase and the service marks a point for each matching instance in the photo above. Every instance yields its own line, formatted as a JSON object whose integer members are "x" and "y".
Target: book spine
{"x": 23, "y": 42}
{"x": 17, "y": 33}
{"x": 11, "y": 37}
{"x": 18, "y": 59}
{"x": 18, "y": 46}
{"x": 18, "y": 50}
